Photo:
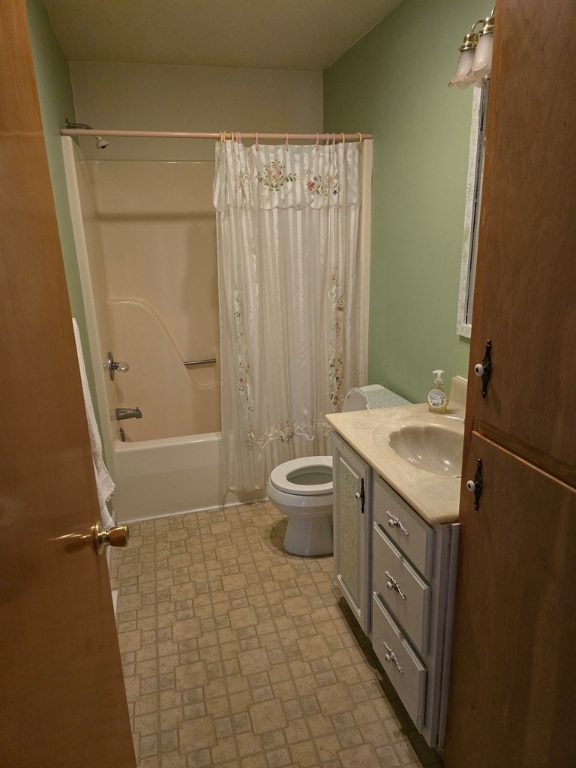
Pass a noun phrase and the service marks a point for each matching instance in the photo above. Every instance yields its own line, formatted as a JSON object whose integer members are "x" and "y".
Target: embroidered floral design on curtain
{"x": 287, "y": 222}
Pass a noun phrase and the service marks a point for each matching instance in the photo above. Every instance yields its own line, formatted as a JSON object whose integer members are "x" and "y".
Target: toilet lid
{"x": 310, "y": 476}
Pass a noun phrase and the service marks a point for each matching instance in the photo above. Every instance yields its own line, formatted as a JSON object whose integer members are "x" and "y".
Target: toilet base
{"x": 309, "y": 536}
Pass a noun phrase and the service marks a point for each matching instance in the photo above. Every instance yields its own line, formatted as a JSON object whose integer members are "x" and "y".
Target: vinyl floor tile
{"x": 239, "y": 655}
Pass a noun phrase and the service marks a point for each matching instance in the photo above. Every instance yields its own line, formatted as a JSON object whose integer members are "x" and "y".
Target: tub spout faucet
{"x": 128, "y": 413}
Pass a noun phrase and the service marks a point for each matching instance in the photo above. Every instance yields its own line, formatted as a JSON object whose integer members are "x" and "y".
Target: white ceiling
{"x": 270, "y": 34}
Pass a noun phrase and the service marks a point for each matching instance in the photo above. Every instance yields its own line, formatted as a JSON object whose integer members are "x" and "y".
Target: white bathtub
{"x": 168, "y": 477}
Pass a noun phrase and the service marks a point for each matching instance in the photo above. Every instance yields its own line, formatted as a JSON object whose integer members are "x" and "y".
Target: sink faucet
{"x": 128, "y": 413}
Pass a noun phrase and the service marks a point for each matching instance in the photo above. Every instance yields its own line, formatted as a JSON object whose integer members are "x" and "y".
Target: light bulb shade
{"x": 462, "y": 77}
{"x": 482, "y": 64}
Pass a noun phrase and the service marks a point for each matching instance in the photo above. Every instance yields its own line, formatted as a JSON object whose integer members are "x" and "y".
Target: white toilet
{"x": 302, "y": 488}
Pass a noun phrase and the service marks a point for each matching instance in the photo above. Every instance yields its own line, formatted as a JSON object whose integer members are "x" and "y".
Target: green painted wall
{"x": 57, "y": 104}
{"x": 393, "y": 83}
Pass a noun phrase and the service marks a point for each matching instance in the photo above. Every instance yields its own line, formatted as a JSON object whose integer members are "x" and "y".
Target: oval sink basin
{"x": 430, "y": 447}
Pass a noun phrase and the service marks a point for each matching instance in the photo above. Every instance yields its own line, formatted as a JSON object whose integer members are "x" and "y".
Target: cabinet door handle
{"x": 475, "y": 486}
{"x": 484, "y": 369}
{"x": 360, "y": 495}
{"x": 393, "y": 584}
{"x": 394, "y": 522}
{"x": 391, "y": 656}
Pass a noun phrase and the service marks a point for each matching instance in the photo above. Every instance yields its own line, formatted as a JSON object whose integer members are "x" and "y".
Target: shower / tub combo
{"x": 145, "y": 238}
{"x": 145, "y": 235}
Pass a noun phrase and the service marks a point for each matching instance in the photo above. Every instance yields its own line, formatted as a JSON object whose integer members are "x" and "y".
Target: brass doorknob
{"x": 115, "y": 537}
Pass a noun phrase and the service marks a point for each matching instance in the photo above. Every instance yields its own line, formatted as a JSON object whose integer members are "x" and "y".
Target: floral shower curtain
{"x": 293, "y": 271}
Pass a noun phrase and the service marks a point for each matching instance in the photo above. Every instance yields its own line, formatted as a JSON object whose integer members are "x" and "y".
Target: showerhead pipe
{"x": 100, "y": 142}
{"x": 78, "y": 125}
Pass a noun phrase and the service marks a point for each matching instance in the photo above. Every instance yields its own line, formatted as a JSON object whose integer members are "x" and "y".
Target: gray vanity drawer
{"x": 405, "y": 670}
{"x": 404, "y": 526}
{"x": 402, "y": 588}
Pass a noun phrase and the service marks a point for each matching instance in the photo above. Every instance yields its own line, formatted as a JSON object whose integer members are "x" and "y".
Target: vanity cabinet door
{"x": 352, "y": 520}
{"x": 524, "y": 299}
{"x": 514, "y": 665}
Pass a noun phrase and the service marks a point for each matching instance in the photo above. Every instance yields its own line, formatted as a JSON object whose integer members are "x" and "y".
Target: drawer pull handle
{"x": 393, "y": 522}
{"x": 391, "y": 656}
{"x": 393, "y": 584}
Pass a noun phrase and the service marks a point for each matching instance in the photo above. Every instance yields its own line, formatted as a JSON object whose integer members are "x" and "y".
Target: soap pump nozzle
{"x": 438, "y": 379}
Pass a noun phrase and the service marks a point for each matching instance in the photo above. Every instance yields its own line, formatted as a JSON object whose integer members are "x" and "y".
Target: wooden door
{"x": 63, "y": 698}
{"x": 525, "y": 300}
{"x": 514, "y": 676}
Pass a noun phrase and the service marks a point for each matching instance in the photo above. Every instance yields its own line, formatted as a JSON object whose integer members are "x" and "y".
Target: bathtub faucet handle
{"x": 114, "y": 366}
{"x": 128, "y": 413}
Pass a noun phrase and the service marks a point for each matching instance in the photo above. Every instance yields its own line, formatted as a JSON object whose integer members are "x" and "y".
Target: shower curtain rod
{"x": 219, "y": 135}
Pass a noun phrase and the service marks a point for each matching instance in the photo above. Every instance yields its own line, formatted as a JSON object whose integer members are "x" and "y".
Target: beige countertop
{"x": 435, "y": 497}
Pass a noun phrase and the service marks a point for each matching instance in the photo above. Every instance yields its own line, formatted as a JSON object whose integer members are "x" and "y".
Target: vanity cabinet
{"x": 397, "y": 573}
{"x": 352, "y": 521}
{"x": 513, "y": 665}
{"x": 413, "y": 583}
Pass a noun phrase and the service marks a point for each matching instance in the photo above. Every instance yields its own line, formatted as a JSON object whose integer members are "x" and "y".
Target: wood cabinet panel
{"x": 514, "y": 666}
{"x": 513, "y": 661}
{"x": 525, "y": 300}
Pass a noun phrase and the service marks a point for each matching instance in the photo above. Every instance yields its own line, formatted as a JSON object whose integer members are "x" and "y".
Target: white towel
{"x": 104, "y": 482}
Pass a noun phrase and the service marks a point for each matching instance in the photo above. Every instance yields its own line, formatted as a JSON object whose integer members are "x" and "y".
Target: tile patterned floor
{"x": 238, "y": 655}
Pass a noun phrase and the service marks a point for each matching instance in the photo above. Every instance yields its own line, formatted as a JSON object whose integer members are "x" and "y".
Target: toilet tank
{"x": 371, "y": 396}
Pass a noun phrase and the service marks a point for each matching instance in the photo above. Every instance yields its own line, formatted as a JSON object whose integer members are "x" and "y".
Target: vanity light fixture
{"x": 475, "y": 61}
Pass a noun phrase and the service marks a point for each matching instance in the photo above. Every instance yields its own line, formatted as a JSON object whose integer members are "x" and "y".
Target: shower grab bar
{"x": 188, "y": 363}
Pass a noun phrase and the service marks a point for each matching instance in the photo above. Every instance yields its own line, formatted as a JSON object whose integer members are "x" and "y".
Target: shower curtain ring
{"x": 343, "y": 139}
{"x": 317, "y": 141}
{"x": 360, "y": 138}
{"x": 286, "y": 141}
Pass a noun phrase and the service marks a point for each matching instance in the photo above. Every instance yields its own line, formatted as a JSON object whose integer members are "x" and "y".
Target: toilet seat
{"x": 300, "y": 476}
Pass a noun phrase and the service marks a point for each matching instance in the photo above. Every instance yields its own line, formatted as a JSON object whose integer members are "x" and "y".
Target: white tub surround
{"x": 146, "y": 247}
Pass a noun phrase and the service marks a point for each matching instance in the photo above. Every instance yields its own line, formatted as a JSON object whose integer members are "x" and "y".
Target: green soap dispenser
{"x": 437, "y": 398}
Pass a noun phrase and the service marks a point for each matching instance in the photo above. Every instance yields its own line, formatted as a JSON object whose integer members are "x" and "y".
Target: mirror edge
{"x": 463, "y": 323}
